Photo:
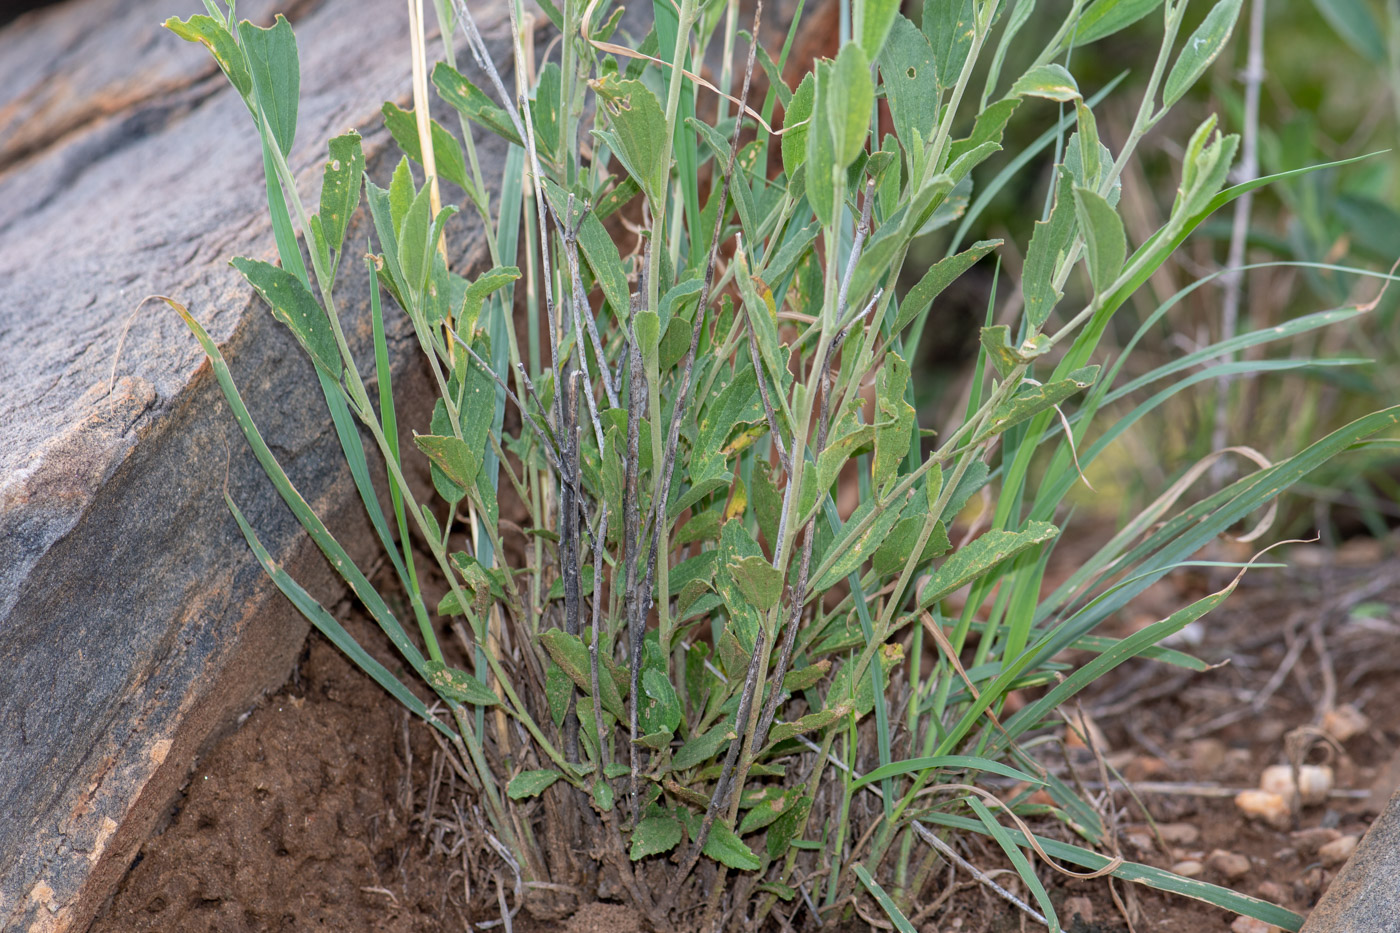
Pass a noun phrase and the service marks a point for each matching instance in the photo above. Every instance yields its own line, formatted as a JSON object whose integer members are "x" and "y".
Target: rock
{"x": 1308, "y": 841}
{"x": 1264, "y": 806}
{"x": 134, "y": 622}
{"x": 1207, "y": 757}
{"x": 1179, "y": 834}
{"x": 1273, "y": 892}
{"x": 1337, "y": 851}
{"x": 1345, "y": 722}
{"x": 1230, "y": 864}
{"x": 1081, "y": 727}
{"x": 1250, "y": 925}
{"x": 1314, "y": 782}
{"x": 1365, "y": 895}
{"x": 1188, "y": 868}
{"x": 1078, "y": 909}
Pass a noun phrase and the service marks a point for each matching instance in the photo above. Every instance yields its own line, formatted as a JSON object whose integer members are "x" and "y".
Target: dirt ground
{"x": 328, "y": 810}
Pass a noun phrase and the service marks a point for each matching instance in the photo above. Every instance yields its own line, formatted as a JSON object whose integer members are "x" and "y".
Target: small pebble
{"x": 1188, "y": 868}
{"x": 1265, "y": 806}
{"x": 1345, "y": 722}
{"x": 1230, "y": 864}
{"x": 1078, "y": 907}
{"x": 1338, "y": 850}
{"x": 1273, "y": 892}
{"x": 1308, "y": 841}
{"x": 1207, "y": 757}
{"x": 1314, "y": 782}
{"x": 1179, "y": 834}
{"x": 1087, "y": 728}
{"x": 1250, "y": 925}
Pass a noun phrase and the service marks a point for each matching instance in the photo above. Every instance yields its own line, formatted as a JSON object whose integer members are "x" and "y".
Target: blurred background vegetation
{"x": 1330, "y": 92}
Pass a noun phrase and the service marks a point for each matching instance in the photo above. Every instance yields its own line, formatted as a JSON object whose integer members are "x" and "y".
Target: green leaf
{"x": 1006, "y": 357}
{"x": 769, "y": 804}
{"x": 786, "y": 827}
{"x": 728, "y": 849}
{"x": 1103, "y": 18}
{"x": 661, "y": 710}
{"x": 654, "y": 835}
{"x": 603, "y": 795}
{"x": 794, "y": 139}
{"x": 638, "y": 131}
{"x": 471, "y": 102}
{"x": 1018, "y": 861}
{"x": 570, "y": 653}
{"x": 415, "y": 252}
{"x": 455, "y": 457}
{"x": 973, "y": 560}
{"x": 456, "y": 685}
{"x": 990, "y": 125}
{"x": 486, "y": 285}
{"x": 1052, "y": 82}
{"x": 294, "y": 306}
{"x": 911, "y": 88}
{"x": 272, "y": 64}
{"x": 944, "y": 763}
{"x": 215, "y": 37}
{"x": 531, "y": 783}
{"x": 341, "y": 181}
{"x": 821, "y": 151}
{"x": 558, "y": 690}
{"x": 812, "y": 722}
{"x": 1201, "y": 49}
{"x": 1354, "y": 22}
{"x": 851, "y": 95}
{"x": 447, "y": 153}
{"x": 899, "y": 543}
{"x": 887, "y": 904}
{"x": 949, "y": 25}
{"x": 938, "y": 277}
{"x": 1103, "y": 237}
{"x": 758, "y": 580}
{"x": 895, "y": 418}
{"x": 1030, "y": 400}
{"x": 703, "y": 747}
{"x": 1049, "y": 243}
{"x": 879, "y": 17}
{"x": 601, "y": 253}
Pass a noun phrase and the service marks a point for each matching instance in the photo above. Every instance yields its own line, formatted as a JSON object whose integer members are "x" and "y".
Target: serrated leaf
{"x": 895, "y": 417}
{"x": 1201, "y": 49}
{"x": 1104, "y": 240}
{"x": 728, "y": 849}
{"x": 294, "y": 306}
{"x": 460, "y": 686}
{"x": 660, "y": 711}
{"x": 973, "y": 560}
{"x": 771, "y": 804}
{"x": 1052, "y": 82}
{"x": 531, "y": 783}
{"x": 654, "y": 835}
{"x": 276, "y": 76}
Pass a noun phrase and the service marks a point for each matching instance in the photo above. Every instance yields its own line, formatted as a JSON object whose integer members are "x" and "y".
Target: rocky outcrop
{"x": 134, "y": 622}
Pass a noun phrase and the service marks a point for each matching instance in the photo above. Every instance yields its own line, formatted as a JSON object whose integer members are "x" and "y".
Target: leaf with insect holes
{"x": 447, "y": 154}
{"x": 1006, "y": 356}
{"x": 1051, "y": 82}
{"x": 812, "y": 722}
{"x": 660, "y": 711}
{"x": 855, "y": 545}
{"x": 803, "y": 677}
{"x": 294, "y": 306}
{"x": 911, "y": 87}
{"x": 1105, "y": 243}
{"x": 703, "y": 747}
{"x": 215, "y": 37}
{"x": 473, "y": 103}
{"x": 1201, "y": 49}
{"x": 458, "y": 686}
{"x": 735, "y": 544}
{"x": 786, "y": 827}
{"x": 653, "y": 835}
{"x": 341, "y": 181}
{"x": 637, "y": 131}
{"x": 769, "y": 804}
{"x": 1103, "y": 18}
{"x": 531, "y": 783}
{"x": 276, "y": 76}
{"x": 850, "y": 95}
{"x": 728, "y": 849}
{"x": 972, "y": 560}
